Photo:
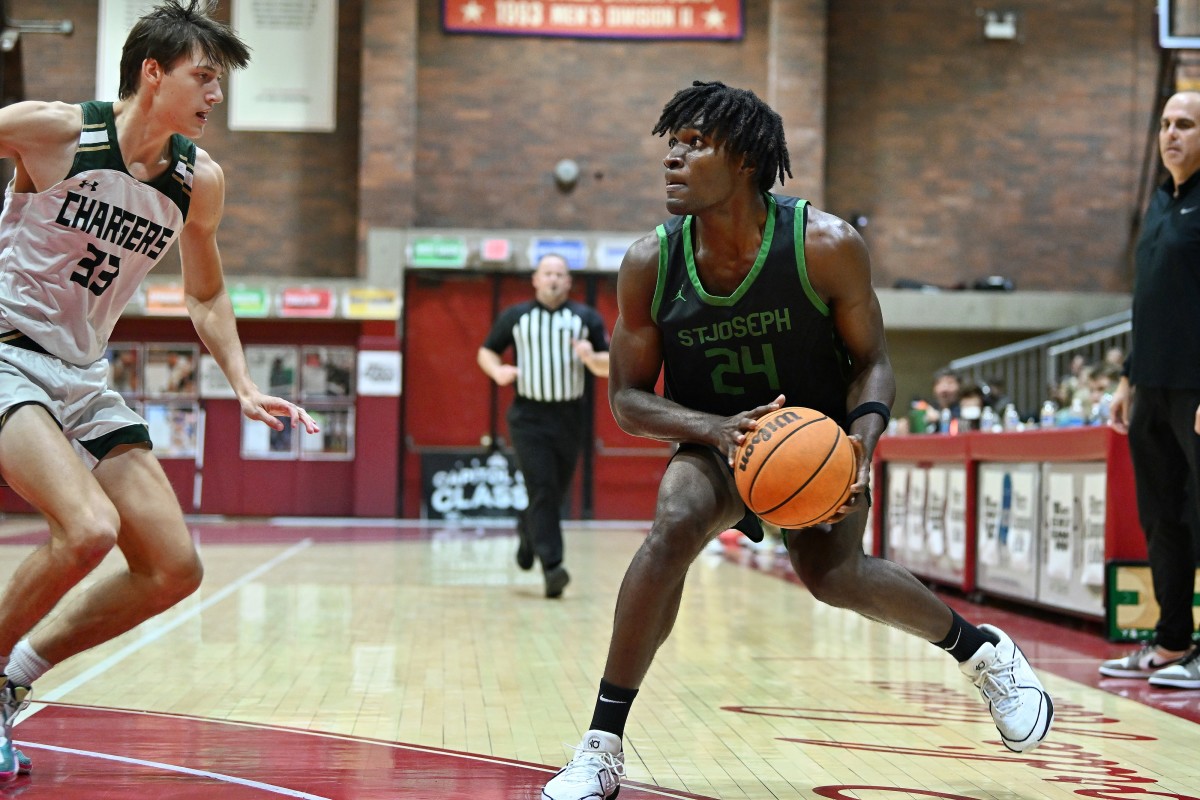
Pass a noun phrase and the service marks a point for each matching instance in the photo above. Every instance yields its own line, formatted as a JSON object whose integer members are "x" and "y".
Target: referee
{"x": 554, "y": 339}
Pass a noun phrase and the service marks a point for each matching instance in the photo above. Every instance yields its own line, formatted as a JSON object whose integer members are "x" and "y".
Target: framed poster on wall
{"x": 174, "y": 428}
{"x": 261, "y": 441}
{"x": 124, "y": 368}
{"x": 335, "y": 440}
{"x": 273, "y": 368}
{"x": 170, "y": 369}
{"x": 327, "y": 372}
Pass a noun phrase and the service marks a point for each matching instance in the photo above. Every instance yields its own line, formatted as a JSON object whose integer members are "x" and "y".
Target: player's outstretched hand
{"x": 734, "y": 429}
{"x": 268, "y": 409}
{"x": 859, "y": 487}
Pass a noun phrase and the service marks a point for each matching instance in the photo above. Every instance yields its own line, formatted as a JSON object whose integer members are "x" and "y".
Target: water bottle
{"x": 1012, "y": 419}
{"x": 944, "y": 421}
{"x": 1049, "y": 410}
{"x": 987, "y": 419}
{"x": 1076, "y": 414}
{"x": 1103, "y": 410}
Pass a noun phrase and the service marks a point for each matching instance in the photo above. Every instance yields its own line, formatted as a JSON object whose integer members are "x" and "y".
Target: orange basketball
{"x": 796, "y": 468}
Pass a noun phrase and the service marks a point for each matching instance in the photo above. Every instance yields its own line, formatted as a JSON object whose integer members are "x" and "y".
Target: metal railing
{"x": 1032, "y": 368}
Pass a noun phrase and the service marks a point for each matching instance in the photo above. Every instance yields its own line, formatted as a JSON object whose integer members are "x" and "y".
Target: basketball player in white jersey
{"x": 100, "y": 192}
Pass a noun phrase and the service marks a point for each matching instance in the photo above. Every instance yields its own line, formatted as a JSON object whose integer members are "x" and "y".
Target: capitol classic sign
{"x": 609, "y": 19}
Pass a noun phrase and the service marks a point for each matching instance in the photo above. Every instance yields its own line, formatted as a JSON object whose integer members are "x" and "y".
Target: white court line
{"x": 360, "y": 740}
{"x": 200, "y": 773}
{"x": 150, "y": 637}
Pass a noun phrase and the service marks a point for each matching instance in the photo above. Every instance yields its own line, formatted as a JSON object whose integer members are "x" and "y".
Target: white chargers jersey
{"x": 73, "y": 256}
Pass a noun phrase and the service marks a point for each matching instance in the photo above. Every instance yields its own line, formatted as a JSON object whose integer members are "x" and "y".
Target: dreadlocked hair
{"x": 747, "y": 126}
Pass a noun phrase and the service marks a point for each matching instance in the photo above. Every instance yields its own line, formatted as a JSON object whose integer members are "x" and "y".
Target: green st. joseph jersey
{"x": 773, "y": 335}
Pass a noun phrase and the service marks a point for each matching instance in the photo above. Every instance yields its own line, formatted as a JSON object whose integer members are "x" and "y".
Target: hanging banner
{"x": 166, "y": 300}
{"x": 116, "y": 18}
{"x": 608, "y": 19}
{"x": 250, "y": 301}
{"x": 291, "y": 81}
{"x": 368, "y": 303}
{"x": 303, "y": 301}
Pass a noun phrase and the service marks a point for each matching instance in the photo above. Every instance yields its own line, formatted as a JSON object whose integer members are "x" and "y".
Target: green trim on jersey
{"x": 99, "y": 149}
{"x": 661, "y": 283}
{"x": 690, "y": 259}
{"x": 800, "y": 223}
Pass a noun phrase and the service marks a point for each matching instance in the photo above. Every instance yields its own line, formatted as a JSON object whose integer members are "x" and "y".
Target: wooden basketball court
{"x": 363, "y": 660}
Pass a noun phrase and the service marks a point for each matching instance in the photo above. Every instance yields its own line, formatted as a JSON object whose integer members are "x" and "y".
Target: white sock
{"x": 25, "y": 666}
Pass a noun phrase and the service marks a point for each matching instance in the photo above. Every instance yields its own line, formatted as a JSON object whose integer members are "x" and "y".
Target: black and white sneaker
{"x": 1020, "y": 707}
{"x": 593, "y": 774}
{"x": 1183, "y": 675}
{"x": 1139, "y": 664}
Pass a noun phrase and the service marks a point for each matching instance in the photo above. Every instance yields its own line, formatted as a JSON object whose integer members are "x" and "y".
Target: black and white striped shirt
{"x": 542, "y": 339}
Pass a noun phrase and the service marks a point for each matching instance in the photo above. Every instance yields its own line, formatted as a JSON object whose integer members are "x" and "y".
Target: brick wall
{"x": 497, "y": 113}
{"x": 974, "y": 157}
{"x": 969, "y": 157}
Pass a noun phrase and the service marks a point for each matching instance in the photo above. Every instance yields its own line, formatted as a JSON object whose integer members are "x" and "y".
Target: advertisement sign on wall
{"x": 457, "y": 485}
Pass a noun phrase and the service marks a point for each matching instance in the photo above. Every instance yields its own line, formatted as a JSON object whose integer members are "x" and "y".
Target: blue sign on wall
{"x": 575, "y": 251}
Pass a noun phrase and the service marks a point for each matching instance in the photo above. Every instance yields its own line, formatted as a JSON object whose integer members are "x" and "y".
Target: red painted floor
{"x": 119, "y": 755}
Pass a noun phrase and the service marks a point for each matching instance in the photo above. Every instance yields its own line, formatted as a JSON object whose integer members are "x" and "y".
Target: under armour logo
{"x": 86, "y": 184}
{"x": 679, "y": 295}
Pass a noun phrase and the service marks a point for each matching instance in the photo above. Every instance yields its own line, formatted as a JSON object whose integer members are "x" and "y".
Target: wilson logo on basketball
{"x": 767, "y": 427}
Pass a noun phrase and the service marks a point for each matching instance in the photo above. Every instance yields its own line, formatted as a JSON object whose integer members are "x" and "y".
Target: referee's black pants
{"x": 1165, "y": 450}
{"x": 546, "y": 437}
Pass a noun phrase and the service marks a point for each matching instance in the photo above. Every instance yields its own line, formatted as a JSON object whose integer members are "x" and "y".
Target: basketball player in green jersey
{"x": 749, "y": 301}
{"x": 101, "y": 191}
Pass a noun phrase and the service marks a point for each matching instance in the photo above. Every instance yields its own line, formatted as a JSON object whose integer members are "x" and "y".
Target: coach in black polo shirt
{"x": 1157, "y": 401}
{"x": 554, "y": 339}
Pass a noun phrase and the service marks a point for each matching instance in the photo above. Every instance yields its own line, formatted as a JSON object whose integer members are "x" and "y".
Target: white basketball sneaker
{"x": 13, "y": 699}
{"x": 593, "y": 774}
{"x": 1019, "y": 705}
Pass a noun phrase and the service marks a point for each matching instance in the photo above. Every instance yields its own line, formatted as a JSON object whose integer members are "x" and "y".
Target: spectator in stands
{"x": 1102, "y": 381}
{"x": 1065, "y": 391}
{"x": 1157, "y": 401}
{"x": 970, "y": 408}
{"x": 947, "y": 386}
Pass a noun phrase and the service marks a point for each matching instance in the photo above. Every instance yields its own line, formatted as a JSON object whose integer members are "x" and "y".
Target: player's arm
{"x": 41, "y": 138}
{"x": 637, "y": 359}
{"x": 840, "y": 270}
{"x": 208, "y": 302}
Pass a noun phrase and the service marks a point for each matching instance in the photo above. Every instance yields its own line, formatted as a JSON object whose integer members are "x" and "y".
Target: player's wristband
{"x": 869, "y": 407}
